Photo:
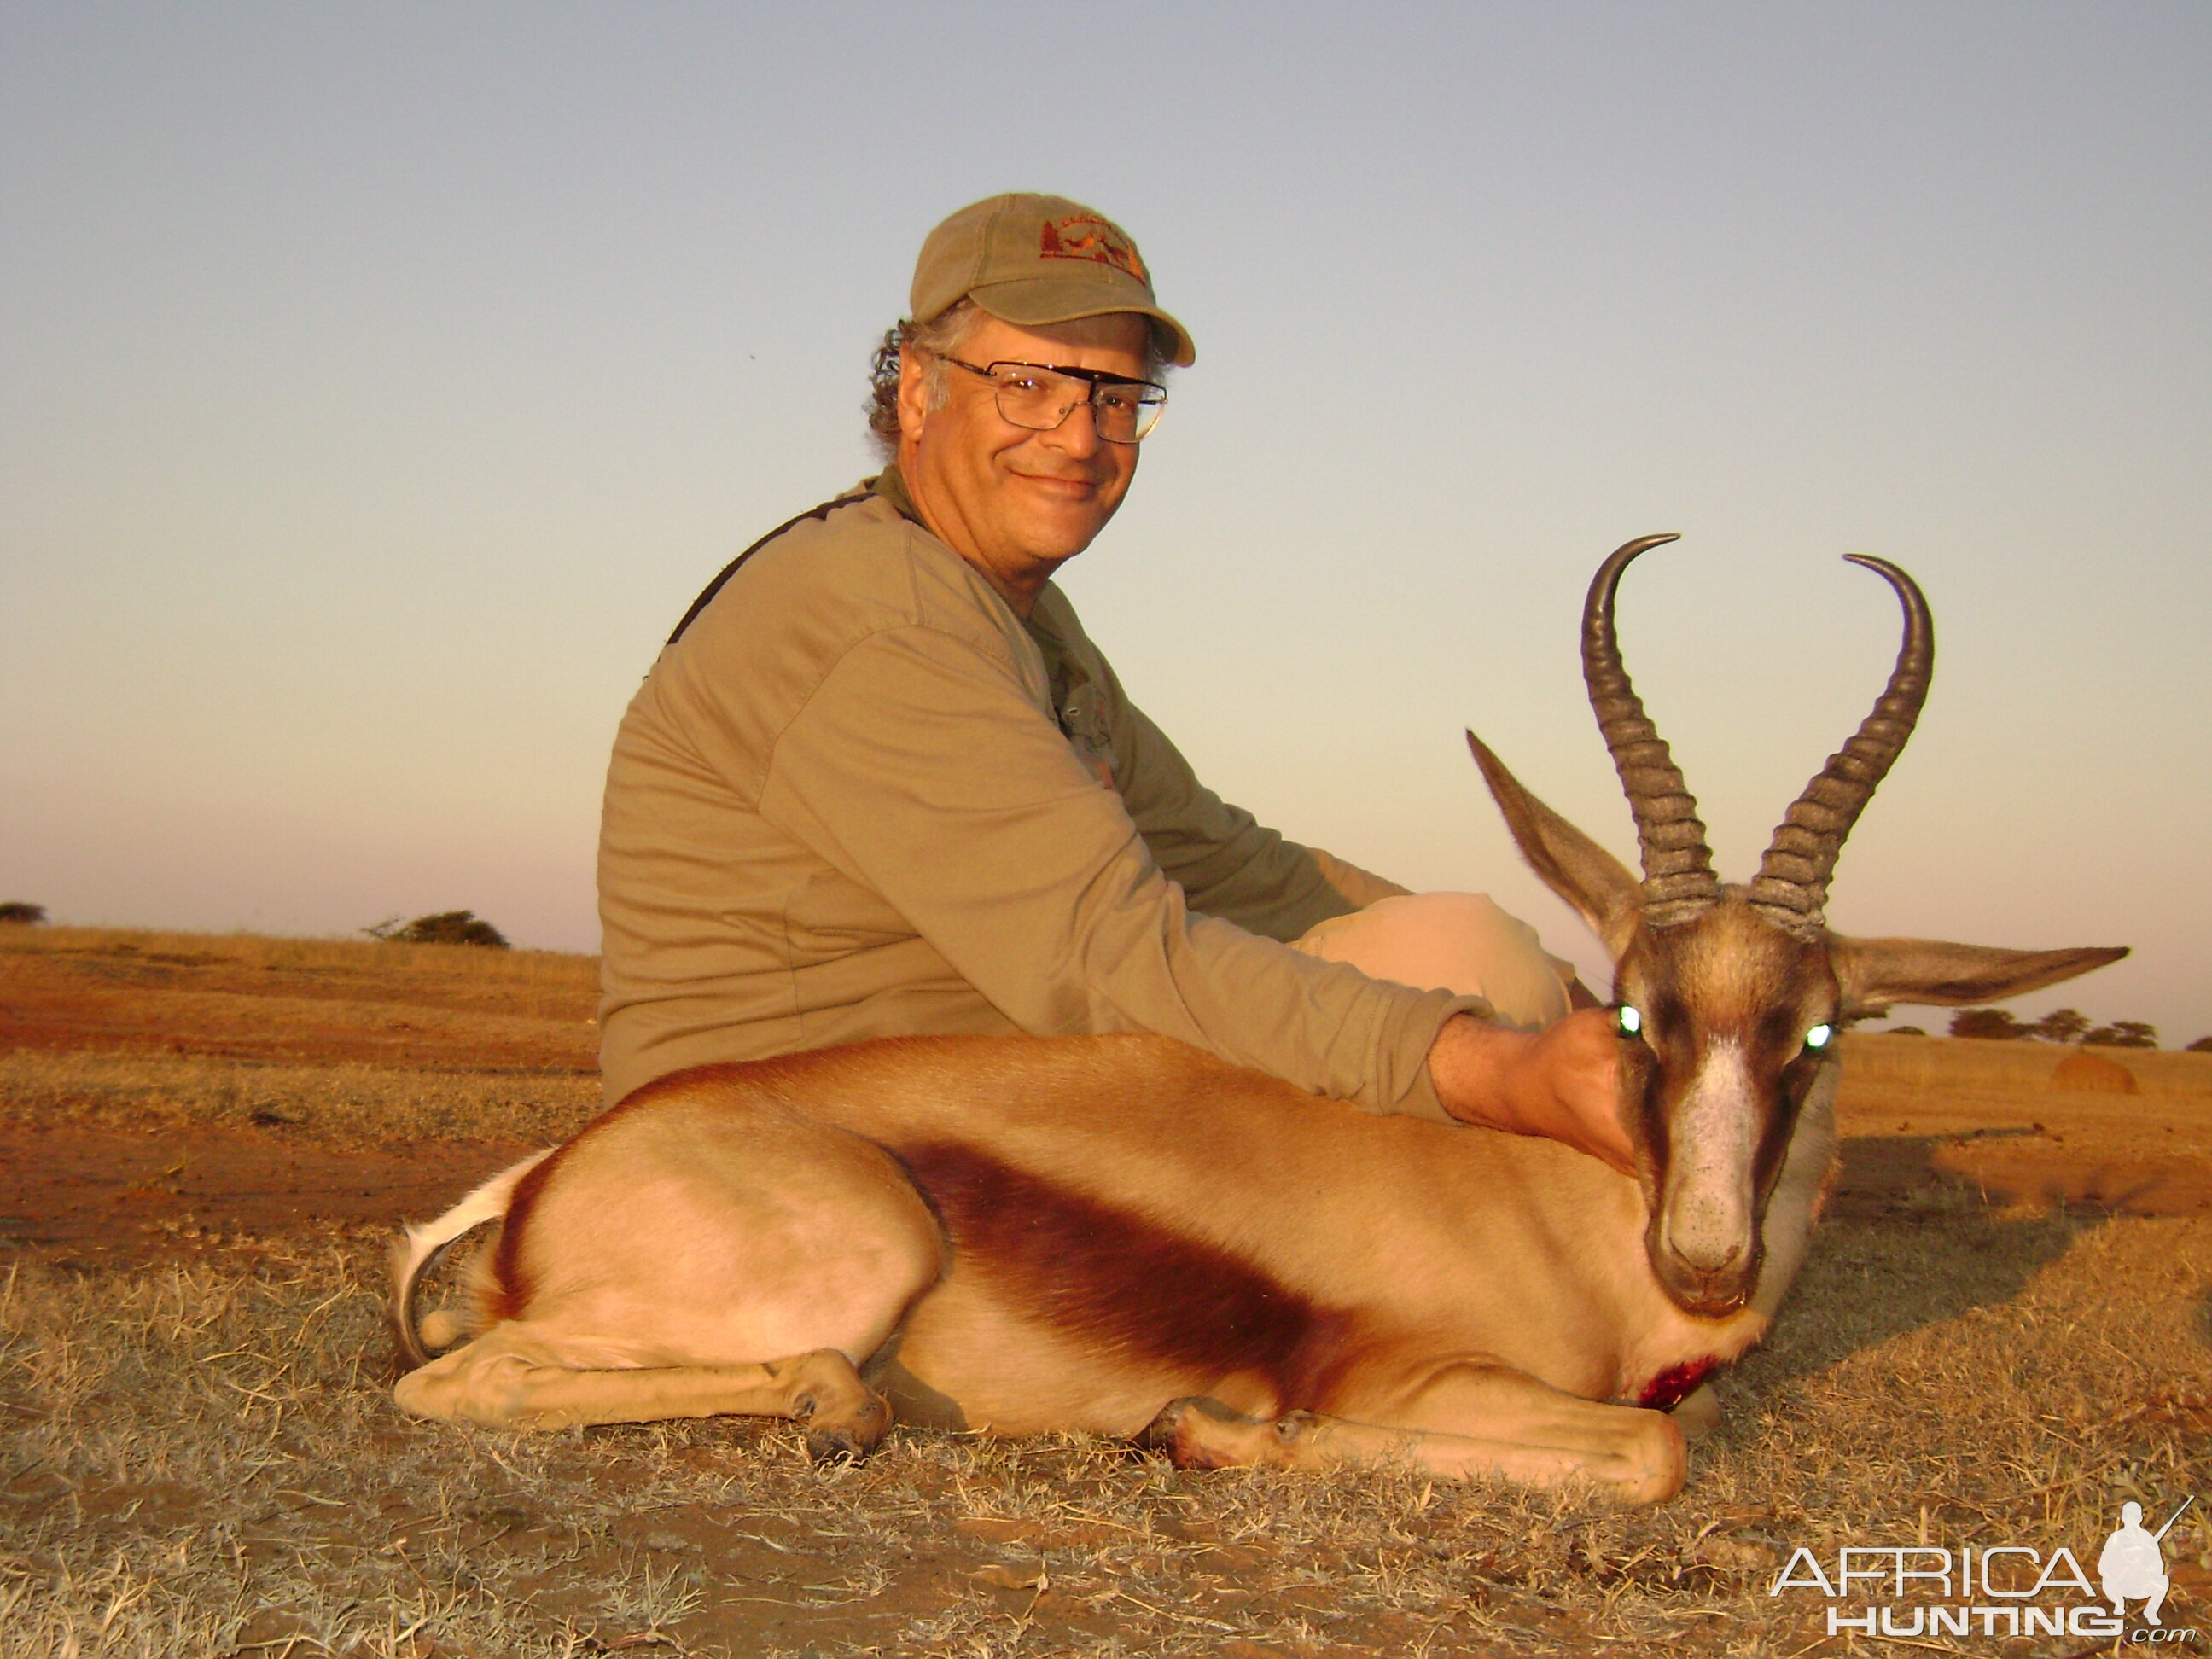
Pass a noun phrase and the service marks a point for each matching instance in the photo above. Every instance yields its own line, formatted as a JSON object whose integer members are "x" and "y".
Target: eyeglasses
{"x": 1041, "y": 396}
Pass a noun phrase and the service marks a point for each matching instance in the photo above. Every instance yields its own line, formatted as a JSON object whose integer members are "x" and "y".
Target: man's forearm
{"x": 1563, "y": 1081}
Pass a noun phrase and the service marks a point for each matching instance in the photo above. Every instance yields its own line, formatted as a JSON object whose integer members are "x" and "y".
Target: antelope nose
{"x": 1710, "y": 1257}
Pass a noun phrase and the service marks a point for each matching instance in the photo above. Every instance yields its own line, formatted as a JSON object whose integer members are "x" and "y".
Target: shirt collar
{"x": 892, "y": 488}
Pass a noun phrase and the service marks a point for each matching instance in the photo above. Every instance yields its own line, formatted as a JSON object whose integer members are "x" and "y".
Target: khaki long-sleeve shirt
{"x": 858, "y": 796}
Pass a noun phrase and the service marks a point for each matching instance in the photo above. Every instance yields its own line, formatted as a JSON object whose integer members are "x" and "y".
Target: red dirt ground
{"x": 93, "y": 1194}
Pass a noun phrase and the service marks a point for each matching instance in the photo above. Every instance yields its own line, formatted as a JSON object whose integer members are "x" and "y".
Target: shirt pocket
{"x": 1082, "y": 719}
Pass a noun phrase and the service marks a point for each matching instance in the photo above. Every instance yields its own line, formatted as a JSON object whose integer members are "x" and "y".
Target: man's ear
{"x": 913, "y": 393}
{"x": 1569, "y": 862}
{"x": 1873, "y": 973}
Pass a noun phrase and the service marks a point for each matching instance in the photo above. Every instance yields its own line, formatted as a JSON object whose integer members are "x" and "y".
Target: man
{"x": 880, "y": 782}
{"x": 2132, "y": 1564}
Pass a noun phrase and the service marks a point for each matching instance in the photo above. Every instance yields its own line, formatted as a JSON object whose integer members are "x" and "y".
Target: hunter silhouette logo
{"x": 1087, "y": 236}
{"x": 2132, "y": 1564}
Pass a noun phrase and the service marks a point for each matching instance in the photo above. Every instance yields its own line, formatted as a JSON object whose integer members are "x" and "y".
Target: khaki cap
{"x": 1030, "y": 259}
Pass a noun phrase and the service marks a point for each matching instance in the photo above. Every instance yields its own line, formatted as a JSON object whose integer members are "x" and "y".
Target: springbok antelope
{"x": 1107, "y": 1233}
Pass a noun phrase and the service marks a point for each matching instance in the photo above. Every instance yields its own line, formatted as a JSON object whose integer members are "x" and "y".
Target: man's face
{"x": 1016, "y": 503}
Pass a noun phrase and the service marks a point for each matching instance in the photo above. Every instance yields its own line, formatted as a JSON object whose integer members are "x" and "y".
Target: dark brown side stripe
{"x": 510, "y": 1289}
{"x": 1118, "y": 1280}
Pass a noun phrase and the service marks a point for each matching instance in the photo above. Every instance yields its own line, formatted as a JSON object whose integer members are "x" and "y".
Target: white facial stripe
{"x": 1707, "y": 1213}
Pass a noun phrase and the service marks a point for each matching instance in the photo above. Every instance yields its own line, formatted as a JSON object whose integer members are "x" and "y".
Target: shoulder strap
{"x": 707, "y": 597}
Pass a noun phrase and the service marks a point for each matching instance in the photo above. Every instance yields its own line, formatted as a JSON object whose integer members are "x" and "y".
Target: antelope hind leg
{"x": 1469, "y": 1422}
{"x": 512, "y": 1378}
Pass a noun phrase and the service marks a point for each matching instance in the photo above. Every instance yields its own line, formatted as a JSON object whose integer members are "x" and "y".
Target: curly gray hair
{"x": 940, "y": 337}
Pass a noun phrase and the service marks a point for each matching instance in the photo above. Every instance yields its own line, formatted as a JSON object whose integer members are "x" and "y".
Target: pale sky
{"x": 381, "y": 382}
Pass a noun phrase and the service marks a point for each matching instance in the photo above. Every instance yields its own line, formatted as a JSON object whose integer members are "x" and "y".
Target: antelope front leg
{"x": 507, "y": 1380}
{"x": 1468, "y": 1422}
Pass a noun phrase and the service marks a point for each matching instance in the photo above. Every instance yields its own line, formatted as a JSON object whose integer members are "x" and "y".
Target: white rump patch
{"x": 488, "y": 1203}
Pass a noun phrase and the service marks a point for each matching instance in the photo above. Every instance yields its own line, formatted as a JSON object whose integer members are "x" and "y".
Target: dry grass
{"x": 347, "y": 1106}
{"x": 467, "y": 970}
{"x": 202, "y": 1457}
{"x": 1964, "y": 1066}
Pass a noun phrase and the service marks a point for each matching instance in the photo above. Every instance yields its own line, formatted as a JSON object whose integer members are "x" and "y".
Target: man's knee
{"x": 1459, "y": 942}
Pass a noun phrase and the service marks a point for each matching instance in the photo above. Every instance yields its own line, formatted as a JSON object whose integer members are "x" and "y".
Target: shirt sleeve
{"x": 1227, "y": 863}
{"x": 920, "y": 768}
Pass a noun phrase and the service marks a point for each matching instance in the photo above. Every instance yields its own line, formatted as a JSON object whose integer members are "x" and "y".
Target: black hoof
{"x": 833, "y": 1446}
{"x": 1161, "y": 1434}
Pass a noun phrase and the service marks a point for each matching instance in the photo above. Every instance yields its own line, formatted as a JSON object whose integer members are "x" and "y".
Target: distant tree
{"x": 2123, "y": 1034}
{"x": 2061, "y": 1025}
{"x": 1905, "y": 1030}
{"x": 1987, "y": 1023}
{"x": 22, "y": 915}
{"x": 445, "y": 927}
{"x": 2202, "y": 1046}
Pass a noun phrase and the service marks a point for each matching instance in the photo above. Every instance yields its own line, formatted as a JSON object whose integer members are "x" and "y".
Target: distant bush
{"x": 22, "y": 915}
{"x": 447, "y": 927}
{"x": 2123, "y": 1034}
{"x": 1989, "y": 1023}
{"x": 1905, "y": 1030}
{"x": 2061, "y": 1025}
{"x": 2202, "y": 1046}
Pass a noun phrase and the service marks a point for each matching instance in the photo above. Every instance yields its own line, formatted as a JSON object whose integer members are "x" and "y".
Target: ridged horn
{"x": 1792, "y": 889}
{"x": 1679, "y": 882}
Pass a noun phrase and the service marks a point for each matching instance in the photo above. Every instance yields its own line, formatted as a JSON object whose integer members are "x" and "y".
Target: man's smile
{"x": 1074, "y": 487}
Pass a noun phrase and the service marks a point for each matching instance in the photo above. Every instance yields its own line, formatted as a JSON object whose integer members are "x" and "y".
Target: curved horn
{"x": 1679, "y": 882}
{"x": 1792, "y": 889}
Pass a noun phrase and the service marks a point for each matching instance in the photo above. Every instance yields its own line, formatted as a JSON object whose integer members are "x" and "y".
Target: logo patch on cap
{"x": 1087, "y": 236}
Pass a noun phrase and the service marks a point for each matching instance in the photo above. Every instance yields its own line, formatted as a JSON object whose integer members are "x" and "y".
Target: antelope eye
{"x": 1628, "y": 1020}
{"x": 1819, "y": 1038}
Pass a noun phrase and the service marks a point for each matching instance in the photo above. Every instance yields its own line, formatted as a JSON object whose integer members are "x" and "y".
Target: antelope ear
{"x": 1571, "y": 864}
{"x": 1873, "y": 973}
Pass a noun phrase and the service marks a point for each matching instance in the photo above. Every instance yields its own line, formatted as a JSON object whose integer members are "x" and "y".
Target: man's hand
{"x": 1563, "y": 1081}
